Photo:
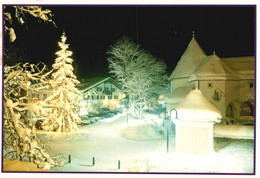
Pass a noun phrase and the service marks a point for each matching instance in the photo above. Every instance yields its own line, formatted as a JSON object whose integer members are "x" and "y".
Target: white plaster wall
{"x": 246, "y": 92}
{"x": 233, "y": 95}
{"x": 231, "y": 92}
{"x": 209, "y": 93}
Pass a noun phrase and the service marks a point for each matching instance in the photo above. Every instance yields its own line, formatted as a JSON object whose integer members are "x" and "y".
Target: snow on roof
{"x": 90, "y": 83}
{"x": 190, "y": 60}
{"x": 39, "y": 85}
{"x": 196, "y": 107}
{"x": 213, "y": 68}
{"x": 178, "y": 93}
{"x": 243, "y": 65}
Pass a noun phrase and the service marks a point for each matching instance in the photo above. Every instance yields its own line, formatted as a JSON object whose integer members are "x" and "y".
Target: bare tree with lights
{"x": 142, "y": 76}
{"x": 66, "y": 96}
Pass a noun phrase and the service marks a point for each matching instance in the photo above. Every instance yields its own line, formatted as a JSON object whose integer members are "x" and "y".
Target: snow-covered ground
{"x": 140, "y": 146}
{"x": 234, "y": 131}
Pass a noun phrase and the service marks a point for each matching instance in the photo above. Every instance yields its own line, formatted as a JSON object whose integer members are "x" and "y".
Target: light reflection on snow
{"x": 103, "y": 141}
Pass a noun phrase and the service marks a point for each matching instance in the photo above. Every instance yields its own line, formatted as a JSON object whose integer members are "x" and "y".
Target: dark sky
{"x": 164, "y": 31}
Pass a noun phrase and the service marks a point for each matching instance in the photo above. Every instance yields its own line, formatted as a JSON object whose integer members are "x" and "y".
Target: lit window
{"x": 246, "y": 109}
{"x": 35, "y": 95}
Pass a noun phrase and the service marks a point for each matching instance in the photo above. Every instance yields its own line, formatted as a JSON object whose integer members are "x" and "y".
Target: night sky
{"x": 164, "y": 31}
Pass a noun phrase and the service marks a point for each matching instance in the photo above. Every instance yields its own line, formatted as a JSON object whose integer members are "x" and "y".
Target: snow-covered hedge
{"x": 234, "y": 131}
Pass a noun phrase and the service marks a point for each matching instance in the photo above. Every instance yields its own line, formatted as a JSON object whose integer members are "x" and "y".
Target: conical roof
{"x": 190, "y": 60}
{"x": 196, "y": 107}
{"x": 213, "y": 68}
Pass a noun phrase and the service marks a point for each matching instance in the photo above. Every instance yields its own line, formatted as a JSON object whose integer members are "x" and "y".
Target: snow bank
{"x": 234, "y": 158}
{"x": 142, "y": 132}
{"x": 45, "y": 136}
{"x": 149, "y": 128}
{"x": 234, "y": 131}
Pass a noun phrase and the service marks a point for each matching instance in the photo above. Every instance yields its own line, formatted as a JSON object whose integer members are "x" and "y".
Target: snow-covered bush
{"x": 20, "y": 140}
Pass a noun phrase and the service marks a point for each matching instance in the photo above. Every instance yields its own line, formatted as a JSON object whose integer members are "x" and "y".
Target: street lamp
{"x": 176, "y": 113}
{"x": 168, "y": 121}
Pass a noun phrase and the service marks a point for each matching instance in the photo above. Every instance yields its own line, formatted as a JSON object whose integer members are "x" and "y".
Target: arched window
{"x": 230, "y": 111}
{"x": 246, "y": 109}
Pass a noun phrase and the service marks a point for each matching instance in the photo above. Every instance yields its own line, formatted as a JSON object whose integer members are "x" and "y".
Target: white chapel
{"x": 228, "y": 83}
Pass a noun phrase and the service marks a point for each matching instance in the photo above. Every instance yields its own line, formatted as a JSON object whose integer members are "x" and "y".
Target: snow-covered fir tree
{"x": 66, "y": 96}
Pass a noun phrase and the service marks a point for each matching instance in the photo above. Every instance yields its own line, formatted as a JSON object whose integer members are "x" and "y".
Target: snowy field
{"x": 140, "y": 146}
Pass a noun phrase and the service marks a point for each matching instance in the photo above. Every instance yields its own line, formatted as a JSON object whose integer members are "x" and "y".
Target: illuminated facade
{"x": 101, "y": 92}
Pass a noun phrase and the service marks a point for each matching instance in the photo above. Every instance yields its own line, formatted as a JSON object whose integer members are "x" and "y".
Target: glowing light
{"x": 83, "y": 102}
{"x": 112, "y": 104}
{"x": 83, "y": 108}
{"x": 83, "y": 112}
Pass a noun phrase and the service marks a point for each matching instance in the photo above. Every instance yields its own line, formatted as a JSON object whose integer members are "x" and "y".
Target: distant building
{"x": 228, "y": 83}
{"x": 100, "y": 92}
{"x": 38, "y": 93}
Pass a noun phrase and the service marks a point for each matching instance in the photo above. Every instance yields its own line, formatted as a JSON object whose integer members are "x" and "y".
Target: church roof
{"x": 177, "y": 95}
{"x": 245, "y": 66}
{"x": 213, "y": 68}
{"x": 190, "y": 60}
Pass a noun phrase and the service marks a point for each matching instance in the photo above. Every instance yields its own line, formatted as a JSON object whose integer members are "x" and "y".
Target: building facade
{"x": 228, "y": 83}
{"x": 100, "y": 92}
